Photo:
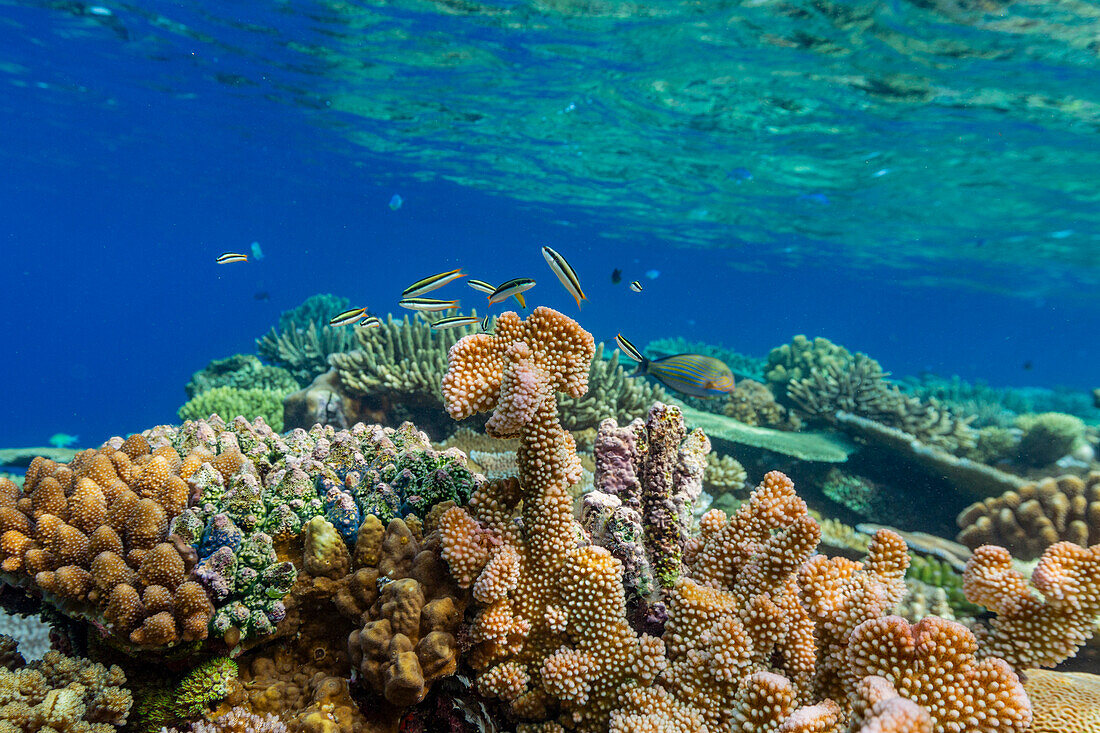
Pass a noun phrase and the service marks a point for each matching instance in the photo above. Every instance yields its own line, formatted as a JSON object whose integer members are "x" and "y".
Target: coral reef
{"x": 799, "y": 359}
{"x": 303, "y": 340}
{"x": 31, "y": 633}
{"x": 237, "y": 720}
{"x": 63, "y": 694}
{"x": 1063, "y": 701}
{"x": 728, "y": 435}
{"x": 753, "y": 404}
{"x": 1035, "y": 516}
{"x": 228, "y": 402}
{"x": 188, "y": 698}
{"x": 864, "y": 497}
{"x": 241, "y": 371}
{"x": 1048, "y": 436}
{"x": 746, "y": 366}
{"x": 723, "y": 474}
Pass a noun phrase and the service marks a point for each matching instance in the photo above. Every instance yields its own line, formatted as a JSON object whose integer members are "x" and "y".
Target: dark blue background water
{"x": 118, "y": 191}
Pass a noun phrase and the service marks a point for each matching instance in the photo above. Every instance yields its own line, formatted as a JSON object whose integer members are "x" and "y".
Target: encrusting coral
{"x": 1035, "y": 516}
{"x": 63, "y": 695}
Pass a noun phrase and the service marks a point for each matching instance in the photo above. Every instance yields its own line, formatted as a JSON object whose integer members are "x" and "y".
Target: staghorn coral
{"x": 228, "y": 402}
{"x": 63, "y": 694}
{"x": 1035, "y": 516}
{"x": 1029, "y": 630}
{"x": 303, "y": 340}
{"x": 91, "y": 537}
{"x": 240, "y": 371}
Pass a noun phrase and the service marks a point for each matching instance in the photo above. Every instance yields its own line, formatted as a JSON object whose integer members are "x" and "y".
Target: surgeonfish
{"x": 370, "y": 322}
{"x": 347, "y": 317}
{"x": 510, "y": 288}
{"x": 226, "y": 257}
{"x": 455, "y": 322}
{"x": 691, "y": 374}
{"x": 428, "y": 305}
{"x": 566, "y": 274}
{"x": 636, "y": 286}
{"x": 490, "y": 289}
{"x": 428, "y": 284}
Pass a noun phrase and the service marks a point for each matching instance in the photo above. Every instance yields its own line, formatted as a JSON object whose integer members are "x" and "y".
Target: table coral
{"x": 1035, "y": 516}
{"x": 63, "y": 694}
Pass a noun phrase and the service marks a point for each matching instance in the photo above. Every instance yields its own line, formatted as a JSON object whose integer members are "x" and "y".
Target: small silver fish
{"x": 371, "y": 322}
{"x": 455, "y": 322}
{"x": 226, "y": 257}
{"x": 636, "y": 286}
{"x": 428, "y": 284}
{"x": 510, "y": 288}
{"x": 691, "y": 374}
{"x": 429, "y": 305}
{"x": 566, "y": 274}
{"x": 347, "y": 317}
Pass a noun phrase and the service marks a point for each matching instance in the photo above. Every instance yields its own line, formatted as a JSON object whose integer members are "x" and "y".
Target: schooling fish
{"x": 490, "y": 289}
{"x": 566, "y": 274}
{"x": 455, "y": 322}
{"x": 510, "y": 288}
{"x": 428, "y": 284}
{"x": 691, "y": 374}
{"x": 370, "y": 322}
{"x": 227, "y": 257}
{"x": 636, "y": 286}
{"x": 616, "y": 276}
{"x": 427, "y": 304}
{"x": 347, "y": 317}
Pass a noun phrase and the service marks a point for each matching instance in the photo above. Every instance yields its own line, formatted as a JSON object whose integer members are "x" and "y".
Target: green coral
{"x": 241, "y": 371}
{"x": 187, "y": 700}
{"x": 229, "y": 402}
{"x": 1048, "y": 436}
{"x": 863, "y": 496}
{"x": 994, "y": 444}
{"x": 936, "y": 572}
{"x": 303, "y": 340}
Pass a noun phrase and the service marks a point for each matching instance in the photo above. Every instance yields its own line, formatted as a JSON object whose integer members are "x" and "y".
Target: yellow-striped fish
{"x": 350, "y": 316}
{"x": 455, "y": 322}
{"x": 510, "y": 288}
{"x": 429, "y": 305}
{"x": 371, "y": 322}
{"x": 226, "y": 257}
{"x": 566, "y": 274}
{"x": 692, "y": 374}
{"x": 636, "y": 286}
{"x": 490, "y": 289}
{"x": 428, "y": 284}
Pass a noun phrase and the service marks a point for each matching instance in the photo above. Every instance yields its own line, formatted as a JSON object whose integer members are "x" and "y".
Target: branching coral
{"x": 1035, "y": 516}
{"x": 241, "y": 371}
{"x": 303, "y": 340}
{"x": 63, "y": 694}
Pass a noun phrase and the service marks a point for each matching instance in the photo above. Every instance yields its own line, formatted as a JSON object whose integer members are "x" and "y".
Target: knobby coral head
{"x": 517, "y": 368}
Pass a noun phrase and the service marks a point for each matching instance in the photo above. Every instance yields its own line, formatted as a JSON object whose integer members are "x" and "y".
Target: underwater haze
{"x": 917, "y": 180}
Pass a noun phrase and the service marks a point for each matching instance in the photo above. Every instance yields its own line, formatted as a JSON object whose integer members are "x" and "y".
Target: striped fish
{"x": 427, "y": 304}
{"x": 455, "y": 322}
{"x": 428, "y": 284}
{"x": 513, "y": 287}
{"x": 636, "y": 286}
{"x": 226, "y": 257}
{"x": 485, "y": 287}
{"x": 691, "y": 374}
{"x": 485, "y": 323}
{"x": 371, "y": 322}
{"x": 350, "y": 316}
{"x": 566, "y": 274}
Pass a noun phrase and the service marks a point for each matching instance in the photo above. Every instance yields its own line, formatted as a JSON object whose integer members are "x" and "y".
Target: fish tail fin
{"x": 521, "y": 301}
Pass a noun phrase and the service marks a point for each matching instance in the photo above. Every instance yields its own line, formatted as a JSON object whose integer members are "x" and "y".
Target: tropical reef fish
{"x": 226, "y": 257}
{"x": 350, "y": 316}
{"x": 370, "y": 322}
{"x": 256, "y": 251}
{"x": 616, "y": 276}
{"x": 396, "y": 202}
{"x": 63, "y": 440}
{"x": 428, "y": 284}
{"x": 566, "y": 274}
{"x": 510, "y": 288}
{"x": 691, "y": 374}
{"x": 427, "y": 304}
{"x": 636, "y": 286}
{"x": 485, "y": 323}
{"x": 455, "y": 322}
{"x": 490, "y": 289}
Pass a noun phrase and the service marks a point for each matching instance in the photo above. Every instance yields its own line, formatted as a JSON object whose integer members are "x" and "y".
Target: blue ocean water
{"x": 938, "y": 213}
